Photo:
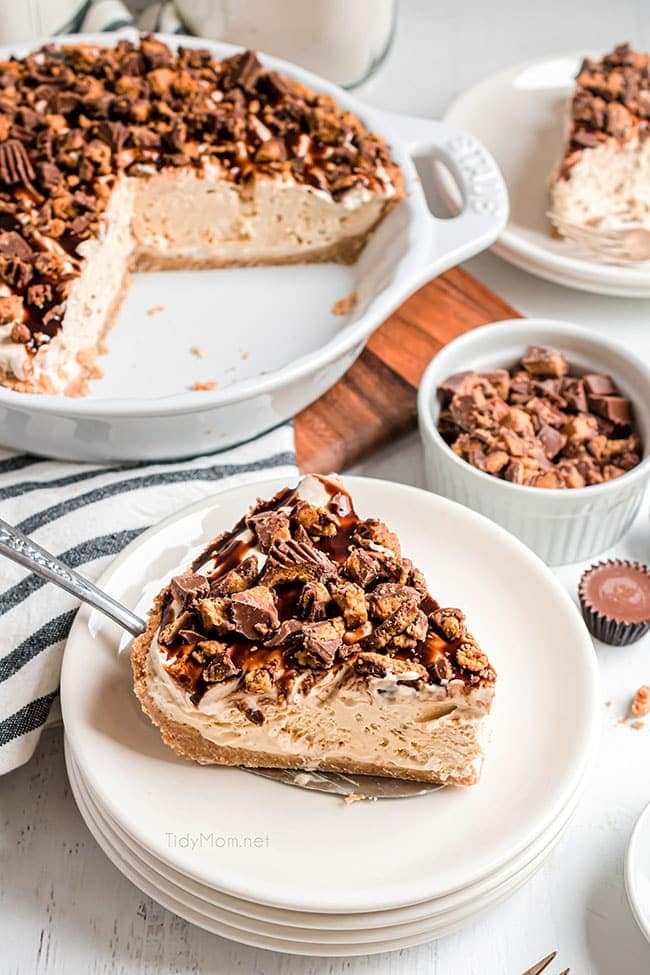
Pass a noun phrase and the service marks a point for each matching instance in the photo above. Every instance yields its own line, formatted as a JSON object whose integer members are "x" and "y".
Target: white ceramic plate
{"x": 347, "y": 928}
{"x": 520, "y": 116}
{"x": 637, "y": 872}
{"x": 321, "y": 855}
{"x": 294, "y": 941}
{"x": 268, "y": 334}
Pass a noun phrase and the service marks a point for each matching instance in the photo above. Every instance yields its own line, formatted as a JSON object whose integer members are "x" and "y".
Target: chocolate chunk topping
{"x": 269, "y": 526}
{"x": 291, "y": 553}
{"x": 379, "y": 665}
{"x": 362, "y": 567}
{"x": 449, "y": 622}
{"x": 396, "y": 624}
{"x": 74, "y": 118}
{"x": 320, "y": 642}
{"x": 553, "y": 430}
{"x": 598, "y": 385}
{"x": 611, "y": 101}
{"x": 241, "y": 71}
{"x": 15, "y": 166}
{"x": 189, "y": 587}
{"x": 313, "y": 602}
{"x": 237, "y": 579}
{"x": 340, "y": 605}
{"x": 618, "y": 409}
{"x": 254, "y": 613}
{"x": 288, "y": 634}
{"x": 540, "y": 361}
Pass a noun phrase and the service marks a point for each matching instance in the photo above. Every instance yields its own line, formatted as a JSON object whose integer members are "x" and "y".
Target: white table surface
{"x": 65, "y": 909}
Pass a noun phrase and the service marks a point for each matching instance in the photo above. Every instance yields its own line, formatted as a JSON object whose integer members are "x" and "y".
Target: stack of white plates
{"x": 301, "y": 872}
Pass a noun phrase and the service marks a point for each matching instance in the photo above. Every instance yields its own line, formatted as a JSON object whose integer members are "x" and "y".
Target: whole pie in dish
{"x": 140, "y": 157}
{"x": 304, "y": 639}
{"x": 603, "y": 180}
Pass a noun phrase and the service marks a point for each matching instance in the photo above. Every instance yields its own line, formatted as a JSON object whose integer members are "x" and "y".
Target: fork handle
{"x": 20, "y": 548}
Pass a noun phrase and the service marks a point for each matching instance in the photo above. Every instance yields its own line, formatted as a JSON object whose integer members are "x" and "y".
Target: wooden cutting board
{"x": 375, "y": 401}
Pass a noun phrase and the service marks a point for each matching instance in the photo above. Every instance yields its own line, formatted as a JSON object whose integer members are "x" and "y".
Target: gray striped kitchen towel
{"x": 86, "y": 514}
{"x": 105, "y": 15}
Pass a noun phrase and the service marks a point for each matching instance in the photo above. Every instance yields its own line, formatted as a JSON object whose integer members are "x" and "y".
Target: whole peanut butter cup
{"x": 615, "y": 601}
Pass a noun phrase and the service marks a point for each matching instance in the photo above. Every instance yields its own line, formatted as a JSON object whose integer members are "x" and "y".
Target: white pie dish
{"x": 561, "y": 526}
{"x": 274, "y": 345}
{"x": 520, "y": 116}
{"x": 145, "y": 788}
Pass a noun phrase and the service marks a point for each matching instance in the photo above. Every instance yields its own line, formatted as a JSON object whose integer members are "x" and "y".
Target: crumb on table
{"x": 345, "y": 305}
{"x": 203, "y": 387}
{"x": 637, "y": 725}
{"x": 356, "y": 797}
{"x": 197, "y": 351}
{"x": 641, "y": 702}
{"x": 155, "y": 309}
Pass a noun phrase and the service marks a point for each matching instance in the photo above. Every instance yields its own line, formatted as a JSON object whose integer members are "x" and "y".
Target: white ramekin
{"x": 559, "y": 525}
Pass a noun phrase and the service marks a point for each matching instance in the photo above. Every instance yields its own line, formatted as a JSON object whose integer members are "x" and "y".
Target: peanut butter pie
{"x": 140, "y": 157}
{"x": 603, "y": 181}
{"x": 304, "y": 639}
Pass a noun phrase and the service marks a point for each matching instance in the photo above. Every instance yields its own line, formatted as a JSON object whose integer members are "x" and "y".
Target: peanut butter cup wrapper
{"x": 615, "y": 601}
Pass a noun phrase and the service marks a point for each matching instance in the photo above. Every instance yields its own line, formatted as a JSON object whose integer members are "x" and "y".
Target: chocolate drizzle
{"x": 310, "y": 614}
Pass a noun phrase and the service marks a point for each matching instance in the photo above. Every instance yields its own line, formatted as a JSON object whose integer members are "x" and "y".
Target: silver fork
{"x": 543, "y": 965}
{"x": 625, "y": 246}
{"x": 20, "y": 548}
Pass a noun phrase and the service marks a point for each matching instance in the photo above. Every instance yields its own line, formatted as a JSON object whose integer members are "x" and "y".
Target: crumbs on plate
{"x": 203, "y": 387}
{"x": 345, "y": 305}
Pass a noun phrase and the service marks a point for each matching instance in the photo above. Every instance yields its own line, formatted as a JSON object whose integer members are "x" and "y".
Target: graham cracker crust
{"x": 86, "y": 358}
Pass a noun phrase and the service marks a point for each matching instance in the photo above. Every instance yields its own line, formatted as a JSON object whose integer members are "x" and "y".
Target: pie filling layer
{"x": 304, "y": 639}
{"x": 144, "y": 158}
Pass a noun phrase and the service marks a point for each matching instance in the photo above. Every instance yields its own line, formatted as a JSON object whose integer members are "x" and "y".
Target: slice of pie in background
{"x": 603, "y": 180}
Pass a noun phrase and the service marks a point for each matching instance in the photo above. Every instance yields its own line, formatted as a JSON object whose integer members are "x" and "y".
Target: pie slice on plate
{"x": 603, "y": 182}
{"x": 304, "y": 639}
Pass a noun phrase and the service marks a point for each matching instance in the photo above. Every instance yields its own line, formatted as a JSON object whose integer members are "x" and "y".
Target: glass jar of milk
{"x": 343, "y": 40}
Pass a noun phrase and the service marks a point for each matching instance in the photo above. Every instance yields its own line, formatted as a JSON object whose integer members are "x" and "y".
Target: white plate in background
{"x": 637, "y": 872}
{"x": 322, "y": 856}
{"x": 519, "y": 115}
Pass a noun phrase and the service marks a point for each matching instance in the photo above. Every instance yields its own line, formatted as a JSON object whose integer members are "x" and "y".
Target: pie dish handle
{"x": 479, "y": 184}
